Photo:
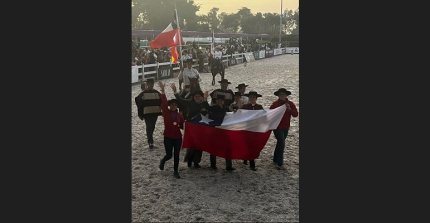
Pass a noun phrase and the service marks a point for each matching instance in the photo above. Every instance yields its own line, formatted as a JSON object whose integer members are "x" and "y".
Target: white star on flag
{"x": 205, "y": 119}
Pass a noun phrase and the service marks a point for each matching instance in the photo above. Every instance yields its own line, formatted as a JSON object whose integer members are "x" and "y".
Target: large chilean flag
{"x": 241, "y": 135}
{"x": 171, "y": 36}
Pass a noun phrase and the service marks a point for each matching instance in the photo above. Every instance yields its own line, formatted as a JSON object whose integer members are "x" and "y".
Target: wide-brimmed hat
{"x": 224, "y": 81}
{"x": 237, "y": 93}
{"x": 241, "y": 85}
{"x": 253, "y": 93}
{"x": 172, "y": 101}
{"x": 282, "y": 90}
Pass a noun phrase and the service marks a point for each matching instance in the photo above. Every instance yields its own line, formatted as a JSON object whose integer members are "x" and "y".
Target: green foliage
{"x": 157, "y": 14}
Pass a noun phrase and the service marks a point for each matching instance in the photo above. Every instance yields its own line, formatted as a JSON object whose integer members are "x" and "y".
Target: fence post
{"x": 143, "y": 72}
{"x": 156, "y": 72}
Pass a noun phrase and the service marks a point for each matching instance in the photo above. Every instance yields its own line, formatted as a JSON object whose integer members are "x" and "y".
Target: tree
{"x": 157, "y": 14}
{"x": 229, "y": 23}
{"x": 246, "y": 20}
{"x": 137, "y": 13}
{"x": 213, "y": 19}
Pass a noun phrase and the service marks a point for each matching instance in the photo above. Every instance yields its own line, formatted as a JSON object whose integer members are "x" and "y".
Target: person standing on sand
{"x": 217, "y": 113}
{"x": 196, "y": 105}
{"x": 252, "y": 105}
{"x": 148, "y": 104}
{"x": 282, "y": 131}
{"x": 173, "y": 122}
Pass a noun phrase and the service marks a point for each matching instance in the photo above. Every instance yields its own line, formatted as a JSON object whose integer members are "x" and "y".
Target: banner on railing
{"x": 249, "y": 57}
{"x": 232, "y": 61}
{"x": 262, "y": 54}
{"x": 277, "y": 51}
{"x": 165, "y": 72}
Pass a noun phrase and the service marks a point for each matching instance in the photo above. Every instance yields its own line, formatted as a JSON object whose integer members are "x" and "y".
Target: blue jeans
{"x": 278, "y": 155}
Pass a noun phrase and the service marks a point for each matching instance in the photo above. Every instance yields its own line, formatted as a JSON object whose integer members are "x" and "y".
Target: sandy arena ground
{"x": 206, "y": 195}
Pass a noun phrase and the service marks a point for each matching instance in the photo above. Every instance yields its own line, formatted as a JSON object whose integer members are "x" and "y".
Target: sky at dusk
{"x": 232, "y": 6}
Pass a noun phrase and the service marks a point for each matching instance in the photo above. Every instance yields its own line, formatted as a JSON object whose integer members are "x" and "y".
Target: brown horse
{"x": 217, "y": 67}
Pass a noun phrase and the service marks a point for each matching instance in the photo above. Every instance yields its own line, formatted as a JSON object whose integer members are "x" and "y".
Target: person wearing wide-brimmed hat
{"x": 228, "y": 94}
{"x": 217, "y": 113}
{"x": 187, "y": 73}
{"x": 173, "y": 122}
{"x": 252, "y": 105}
{"x": 195, "y": 106}
{"x": 281, "y": 131}
{"x": 242, "y": 88}
{"x": 218, "y": 53}
{"x": 149, "y": 108}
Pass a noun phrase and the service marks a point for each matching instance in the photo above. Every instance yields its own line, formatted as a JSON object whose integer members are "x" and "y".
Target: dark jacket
{"x": 217, "y": 114}
{"x": 249, "y": 106}
{"x": 228, "y": 96}
{"x": 192, "y": 108}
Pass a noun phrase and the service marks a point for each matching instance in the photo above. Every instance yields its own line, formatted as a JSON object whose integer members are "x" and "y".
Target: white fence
{"x": 166, "y": 69}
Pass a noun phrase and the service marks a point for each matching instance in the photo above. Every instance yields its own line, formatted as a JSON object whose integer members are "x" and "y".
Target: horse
{"x": 216, "y": 67}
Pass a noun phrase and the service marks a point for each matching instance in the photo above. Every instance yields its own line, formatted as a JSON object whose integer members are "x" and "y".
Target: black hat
{"x": 237, "y": 93}
{"x": 224, "y": 81}
{"x": 189, "y": 60}
{"x": 241, "y": 85}
{"x": 150, "y": 80}
{"x": 198, "y": 92}
{"x": 282, "y": 90}
{"x": 254, "y": 93}
{"x": 172, "y": 101}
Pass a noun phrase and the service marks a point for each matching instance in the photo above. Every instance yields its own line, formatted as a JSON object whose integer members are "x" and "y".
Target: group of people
{"x": 191, "y": 103}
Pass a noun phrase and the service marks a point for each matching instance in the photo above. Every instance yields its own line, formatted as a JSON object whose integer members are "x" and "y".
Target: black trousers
{"x": 228, "y": 162}
{"x": 252, "y": 163}
{"x": 150, "y": 121}
{"x": 169, "y": 145}
{"x": 193, "y": 156}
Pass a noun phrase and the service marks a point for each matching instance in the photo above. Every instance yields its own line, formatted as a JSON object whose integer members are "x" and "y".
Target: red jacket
{"x": 285, "y": 122}
{"x": 173, "y": 120}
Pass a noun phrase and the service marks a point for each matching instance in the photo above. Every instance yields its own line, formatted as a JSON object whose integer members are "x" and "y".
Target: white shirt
{"x": 244, "y": 99}
{"x": 186, "y": 57}
{"x": 188, "y": 73}
{"x": 218, "y": 54}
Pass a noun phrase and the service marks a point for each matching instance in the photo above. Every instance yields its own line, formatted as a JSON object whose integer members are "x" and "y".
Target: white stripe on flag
{"x": 253, "y": 120}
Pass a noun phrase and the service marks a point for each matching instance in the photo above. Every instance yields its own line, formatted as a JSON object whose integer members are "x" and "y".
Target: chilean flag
{"x": 171, "y": 36}
{"x": 173, "y": 55}
{"x": 241, "y": 135}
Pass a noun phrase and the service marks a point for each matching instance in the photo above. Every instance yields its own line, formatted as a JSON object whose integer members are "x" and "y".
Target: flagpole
{"x": 180, "y": 37}
{"x": 280, "y": 24}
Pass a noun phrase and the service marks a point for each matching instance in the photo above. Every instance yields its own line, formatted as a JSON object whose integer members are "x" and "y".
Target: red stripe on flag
{"x": 244, "y": 145}
{"x": 166, "y": 39}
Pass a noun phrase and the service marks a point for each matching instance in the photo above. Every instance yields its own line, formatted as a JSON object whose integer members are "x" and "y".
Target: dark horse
{"x": 216, "y": 67}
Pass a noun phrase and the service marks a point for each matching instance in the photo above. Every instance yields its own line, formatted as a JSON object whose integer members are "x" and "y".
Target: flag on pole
{"x": 171, "y": 36}
{"x": 241, "y": 135}
{"x": 174, "y": 55}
